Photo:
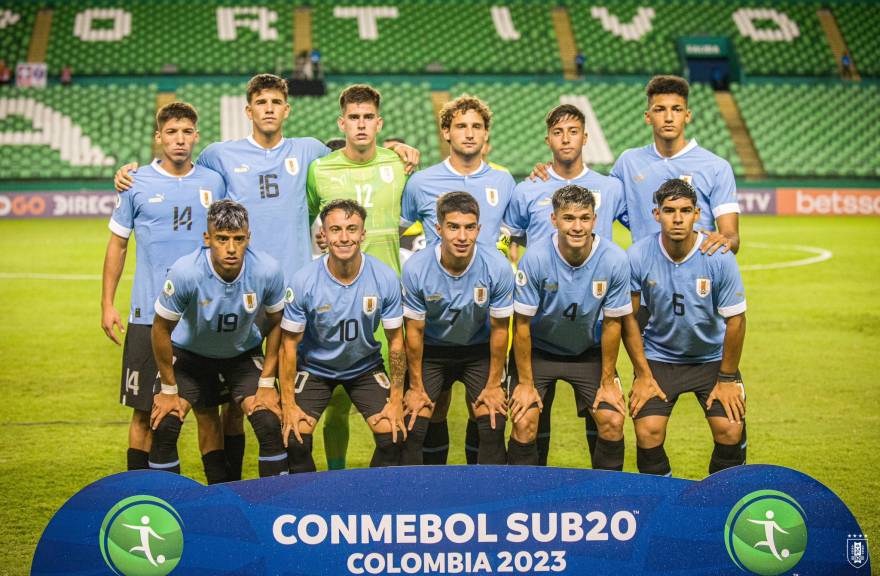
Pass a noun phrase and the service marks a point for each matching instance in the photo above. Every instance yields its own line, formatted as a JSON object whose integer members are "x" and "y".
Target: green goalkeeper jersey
{"x": 377, "y": 185}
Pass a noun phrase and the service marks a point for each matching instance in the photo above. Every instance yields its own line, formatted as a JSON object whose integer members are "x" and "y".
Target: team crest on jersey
{"x": 288, "y": 295}
{"x": 118, "y": 200}
{"x": 600, "y": 287}
{"x": 597, "y": 196}
{"x": 704, "y": 287}
{"x": 292, "y": 166}
{"x": 492, "y": 196}
{"x": 382, "y": 380}
{"x": 387, "y": 174}
{"x": 370, "y": 304}
{"x": 521, "y": 278}
{"x": 168, "y": 288}
{"x": 250, "y": 301}
{"x": 206, "y": 197}
{"x": 687, "y": 179}
{"x": 481, "y": 295}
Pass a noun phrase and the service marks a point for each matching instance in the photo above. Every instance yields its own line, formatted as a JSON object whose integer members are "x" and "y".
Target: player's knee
{"x": 411, "y": 454}
{"x": 299, "y": 454}
{"x": 727, "y": 432}
{"x": 163, "y": 453}
{"x": 387, "y": 451}
{"x": 525, "y": 429}
{"x": 382, "y": 426}
{"x": 267, "y": 429}
{"x": 649, "y": 434}
{"x": 492, "y": 449}
{"x": 233, "y": 419}
{"x": 609, "y": 424}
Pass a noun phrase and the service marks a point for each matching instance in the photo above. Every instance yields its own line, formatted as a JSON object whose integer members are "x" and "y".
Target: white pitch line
{"x": 40, "y": 276}
{"x": 821, "y": 255}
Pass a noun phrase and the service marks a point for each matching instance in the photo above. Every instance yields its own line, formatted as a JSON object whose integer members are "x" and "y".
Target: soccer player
{"x": 333, "y": 308}
{"x": 563, "y": 284}
{"x": 458, "y": 298}
{"x": 374, "y": 177}
{"x": 464, "y": 124}
{"x": 672, "y": 156}
{"x": 528, "y": 215}
{"x": 205, "y": 333}
{"x": 694, "y": 338}
{"x": 165, "y": 210}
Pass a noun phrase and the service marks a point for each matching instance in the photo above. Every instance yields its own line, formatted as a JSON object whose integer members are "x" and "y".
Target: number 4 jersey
{"x": 168, "y": 215}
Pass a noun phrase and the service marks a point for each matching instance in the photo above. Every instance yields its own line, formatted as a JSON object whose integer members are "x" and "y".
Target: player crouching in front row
{"x": 332, "y": 311}
{"x": 205, "y": 336}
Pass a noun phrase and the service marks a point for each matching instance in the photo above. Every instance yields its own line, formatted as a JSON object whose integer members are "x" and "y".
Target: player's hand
{"x": 110, "y": 319}
{"x": 166, "y": 405}
{"x": 540, "y": 171}
{"x": 522, "y": 400}
{"x": 409, "y": 155}
{"x": 493, "y": 398}
{"x": 291, "y": 416}
{"x": 414, "y": 401}
{"x": 611, "y": 392}
{"x": 321, "y": 240}
{"x": 267, "y": 398}
{"x": 713, "y": 241}
{"x": 122, "y": 180}
{"x": 732, "y": 396}
{"x": 393, "y": 412}
{"x": 643, "y": 389}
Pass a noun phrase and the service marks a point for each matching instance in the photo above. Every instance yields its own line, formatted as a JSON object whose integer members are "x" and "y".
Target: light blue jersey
{"x": 216, "y": 318}
{"x": 491, "y": 188}
{"x": 566, "y": 302}
{"x": 528, "y": 213}
{"x": 456, "y": 309}
{"x": 688, "y": 300}
{"x": 271, "y": 184}
{"x": 168, "y": 216}
{"x": 340, "y": 320}
{"x": 643, "y": 170}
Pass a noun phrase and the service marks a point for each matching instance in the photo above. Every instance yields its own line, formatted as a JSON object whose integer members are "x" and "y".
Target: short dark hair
{"x": 359, "y": 94}
{"x": 461, "y": 202}
{"x": 227, "y": 215}
{"x": 573, "y": 195}
{"x": 262, "y": 82}
{"x": 665, "y": 84}
{"x": 564, "y": 111}
{"x": 176, "y": 111}
{"x": 346, "y": 205}
{"x": 335, "y": 143}
{"x": 674, "y": 189}
{"x": 462, "y": 104}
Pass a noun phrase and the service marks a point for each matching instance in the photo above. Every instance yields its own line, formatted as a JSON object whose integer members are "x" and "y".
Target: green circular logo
{"x": 766, "y": 533}
{"x": 142, "y": 536}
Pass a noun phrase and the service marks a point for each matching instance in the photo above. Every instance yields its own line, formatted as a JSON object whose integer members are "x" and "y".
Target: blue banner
{"x": 456, "y": 520}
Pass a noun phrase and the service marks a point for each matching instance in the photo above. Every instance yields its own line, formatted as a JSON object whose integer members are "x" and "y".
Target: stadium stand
{"x": 859, "y": 24}
{"x": 16, "y": 23}
{"x": 808, "y": 130}
{"x": 75, "y": 132}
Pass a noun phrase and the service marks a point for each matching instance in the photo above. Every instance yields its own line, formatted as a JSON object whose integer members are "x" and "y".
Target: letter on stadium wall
{"x": 53, "y": 129}
{"x": 234, "y": 124}
{"x": 8, "y": 18}
{"x": 504, "y": 23}
{"x": 635, "y": 30}
{"x": 260, "y": 20}
{"x": 596, "y": 150}
{"x": 82, "y": 25}
{"x": 366, "y": 18}
{"x": 786, "y": 31}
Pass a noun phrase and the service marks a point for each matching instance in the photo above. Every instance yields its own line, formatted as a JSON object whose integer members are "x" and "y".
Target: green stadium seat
{"x": 859, "y": 23}
{"x": 16, "y": 23}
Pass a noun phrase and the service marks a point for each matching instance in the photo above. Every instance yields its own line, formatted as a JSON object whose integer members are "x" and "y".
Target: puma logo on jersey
{"x": 156, "y": 199}
{"x": 241, "y": 169}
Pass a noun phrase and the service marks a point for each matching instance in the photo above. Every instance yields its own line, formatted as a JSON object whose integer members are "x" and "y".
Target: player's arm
{"x": 728, "y": 389}
{"x": 409, "y": 155}
{"x": 525, "y": 395}
{"x": 644, "y": 386}
{"x": 609, "y": 386}
{"x": 114, "y": 262}
{"x": 123, "y": 179}
{"x": 267, "y": 396}
{"x": 726, "y": 235}
{"x": 493, "y": 396}
{"x": 393, "y": 410}
{"x": 416, "y": 400}
{"x": 291, "y": 414}
{"x": 725, "y": 211}
{"x": 167, "y": 402}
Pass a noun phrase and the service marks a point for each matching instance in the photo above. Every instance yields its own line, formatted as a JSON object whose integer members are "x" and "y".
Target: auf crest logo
{"x": 766, "y": 533}
{"x": 142, "y": 536}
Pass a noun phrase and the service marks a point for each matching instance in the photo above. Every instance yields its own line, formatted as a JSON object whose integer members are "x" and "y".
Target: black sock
{"x": 653, "y": 461}
{"x": 726, "y": 456}
{"x": 138, "y": 459}
{"x": 215, "y": 466}
{"x": 411, "y": 453}
{"x": 387, "y": 452}
{"x": 299, "y": 456}
{"x": 492, "y": 450}
{"x": 592, "y": 431}
{"x": 233, "y": 449}
{"x": 608, "y": 454}
{"x": 471, "y": 442}
{"x": 522, "y": 454}
{"x": 163, "y": 452}
{"x": 273, "y": 456}
{"x": 435, "y": 449}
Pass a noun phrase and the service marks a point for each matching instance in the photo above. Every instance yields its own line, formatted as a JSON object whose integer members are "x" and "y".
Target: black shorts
{"x": 369, "y": 392}
{"x": 443, "y": 366}
{"x": 678, "y": 379}
{"x": 139, "y": 370}
{"x": 583, "y": 372}
{"x": 207, "y": 382}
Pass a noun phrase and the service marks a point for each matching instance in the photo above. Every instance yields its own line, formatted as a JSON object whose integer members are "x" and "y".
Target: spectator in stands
{"x": 579, "y": 61}
{"x": 846, "y": 65}
{"x": 5, "y": 73}
{"x": 315, "y": 58}
{"x": 66, "y": 76}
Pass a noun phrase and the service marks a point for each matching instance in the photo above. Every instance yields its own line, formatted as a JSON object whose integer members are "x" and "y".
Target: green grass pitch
{"x": 810, "y": 366}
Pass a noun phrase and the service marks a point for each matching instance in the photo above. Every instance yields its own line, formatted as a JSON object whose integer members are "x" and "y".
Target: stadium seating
{"x": 810, "y": 130}
{"x": 518, "y": 128}
{"x": 639, "y": 37}
{"x": 16, "y": 23}
{"x": 75, "y": 132}
{"x": 859, "y": 24}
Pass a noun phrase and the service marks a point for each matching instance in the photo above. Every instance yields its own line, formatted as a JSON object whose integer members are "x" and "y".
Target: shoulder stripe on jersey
{"x": 524, "y": 309}
{"x": 392, "y": 323}
{"x": 292, "y": 326}
{"x": 618, "y": 312}
{"x": 413, "y": 314}
{"x": 166, "y": 313}
{"x": 119, "y": 229}
{"x": 729, "y": 208}
{"x": 728, "y": 311}
{"x": 505, "y": 312}
{"x": 275, "y": 307}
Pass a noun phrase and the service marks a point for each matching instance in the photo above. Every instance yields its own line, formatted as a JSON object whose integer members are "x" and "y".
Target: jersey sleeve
{"x": 527, "y": 294}
{"x": 218, "y": 186}
{"x": 618, "y": 301}
{"x": 723, "y": 197}
{"x": 501, "y": 298}
{"x": 620, "y": 214}
{"x": 516, "y": 216}
{"x": 177, "y": 292}
{"x": 409, "y": 206}
{"x": 316, "y": 149}
{"x": 635, "y": 273}
{"x": 273, "y": 296}
{"x": 294, "y": 319}
{"x": 392, "y": 308}
{"x": 413, "y": 300}
{"x": 312, "y": 192}
{"x": 210, "y": 158}
{"x": 122, "y": 220}
{"x": 730, "y": 294}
